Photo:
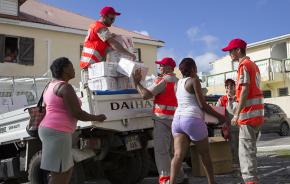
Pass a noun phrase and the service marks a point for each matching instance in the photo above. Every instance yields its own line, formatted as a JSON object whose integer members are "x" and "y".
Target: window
{"x": 267, "y": 94}
{"x": 137, "y": 52}
{"x": 283, "y": 91}
{"x": 16, "y": 50}
{"x": 11, "y": 49}
{"x": 81, "y": 50}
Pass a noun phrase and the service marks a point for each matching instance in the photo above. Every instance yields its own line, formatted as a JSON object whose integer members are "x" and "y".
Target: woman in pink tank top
{"x": 63, "y": 109}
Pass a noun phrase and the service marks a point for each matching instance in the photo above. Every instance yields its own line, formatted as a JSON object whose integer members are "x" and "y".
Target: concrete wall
{"x": 148, "y": 56}
{"x": 288, "y": 48}
{"x": 222, "y": 65}
{"x": 50, "y": 45}
{"x": 283, "y": 102}
{"x": 259, "y": 53}
{"x": 279, "y": 51}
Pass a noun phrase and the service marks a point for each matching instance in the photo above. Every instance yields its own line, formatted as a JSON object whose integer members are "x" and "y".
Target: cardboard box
{"x": 125, "y": 41}
{"x": 113, "y": 56}
{"x": 128, "y": 67}
{"x": 211, "y": 119}
{"x": 125, "y": 83}
{"x": 103, "y": 69}
{"x": 221, "y": 156}
{"x": 102, "y": 83}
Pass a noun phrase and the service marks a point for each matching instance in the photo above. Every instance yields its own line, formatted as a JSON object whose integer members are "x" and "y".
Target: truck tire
{"x": 146, "y": 163}
{"x": 126, "y": 168}
{"x": 35, "y": 174}
{"x": 78, "y": 174}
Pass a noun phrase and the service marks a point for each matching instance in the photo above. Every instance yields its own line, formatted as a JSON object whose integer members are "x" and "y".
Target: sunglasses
{"x": 231, "y": 51}
{"x": 111, "y": 18}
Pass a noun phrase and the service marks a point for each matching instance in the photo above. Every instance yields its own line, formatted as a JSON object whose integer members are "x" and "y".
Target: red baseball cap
{"x": 166, "y": 61}
{"x": 235, "y": 43}
{"x": 108, "y": 10}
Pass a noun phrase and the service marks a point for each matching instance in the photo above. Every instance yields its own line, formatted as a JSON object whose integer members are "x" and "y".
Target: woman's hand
{"x": 101, "y": 118}
{"x": 224, "y": 120}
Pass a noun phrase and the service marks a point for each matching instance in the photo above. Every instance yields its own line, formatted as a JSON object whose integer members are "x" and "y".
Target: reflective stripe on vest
{"x": 251, "y": 114}
{"x": 89, "y": 54}
{"x": 163, "y": 116}
{"x": 165, "y": 107}
{"x": 254, "y": 101}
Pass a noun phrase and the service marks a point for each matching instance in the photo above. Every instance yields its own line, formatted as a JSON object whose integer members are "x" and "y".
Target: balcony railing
{"x": 271, "y": 70}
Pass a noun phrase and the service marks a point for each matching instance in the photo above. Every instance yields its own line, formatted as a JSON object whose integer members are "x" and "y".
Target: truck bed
{"x": 125, "y": 112}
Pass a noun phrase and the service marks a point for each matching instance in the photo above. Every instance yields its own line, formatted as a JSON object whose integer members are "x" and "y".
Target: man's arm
{"x": 106, "y": 36}
{"x": 119, "y": 47}
{"x": 145, "y": 93}
{"x": 243, "y": 99}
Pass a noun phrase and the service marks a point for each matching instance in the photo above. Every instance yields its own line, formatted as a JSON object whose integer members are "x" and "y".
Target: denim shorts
{"x": 194, "y": 128}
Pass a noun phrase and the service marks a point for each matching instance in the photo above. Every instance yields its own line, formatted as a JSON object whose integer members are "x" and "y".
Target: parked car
{"x": 276, "y": 120}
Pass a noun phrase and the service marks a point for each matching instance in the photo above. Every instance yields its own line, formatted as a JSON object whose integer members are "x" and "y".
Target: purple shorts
{"x": 195, "y": 128}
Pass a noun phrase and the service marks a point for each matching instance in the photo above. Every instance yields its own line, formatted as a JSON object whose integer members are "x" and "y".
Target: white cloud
{"x": 162, "y": 52}
{"x": 210, "y": 40}
{"x": 203, "y": 61}
{"x": 142, "y": 32}
{"x": 196, "y": 35}
{"x": 192, "y": 33}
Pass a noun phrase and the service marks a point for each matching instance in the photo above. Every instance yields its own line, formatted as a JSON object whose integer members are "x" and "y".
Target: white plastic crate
{"x": 128, "y": 67}
{"x": 102, "y": 83}
{"x": 125, "y": 83}
{"x": 103, "y": 69}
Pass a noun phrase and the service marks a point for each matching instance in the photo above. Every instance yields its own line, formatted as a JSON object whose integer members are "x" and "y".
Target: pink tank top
{"x": 57, "y": 115}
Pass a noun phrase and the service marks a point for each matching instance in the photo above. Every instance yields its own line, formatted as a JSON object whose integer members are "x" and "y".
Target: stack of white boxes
{"x": 116, "y": 72}
{"x": 101, "y": 76}
{"x": 114, "y": 76}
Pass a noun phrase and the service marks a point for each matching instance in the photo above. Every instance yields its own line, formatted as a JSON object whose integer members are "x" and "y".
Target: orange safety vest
{"x": 94, "y": 49}
{"x": 223, "y": 100}
{"x": 165, "y": 103}
{"x": 253, "y": 112}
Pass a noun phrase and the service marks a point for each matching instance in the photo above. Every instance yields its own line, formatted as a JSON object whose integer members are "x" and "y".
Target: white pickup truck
{"x": 115, "y": 149}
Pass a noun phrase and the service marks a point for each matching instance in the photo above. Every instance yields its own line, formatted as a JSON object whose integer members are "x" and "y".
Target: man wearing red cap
{"x": 165, "y": 103}
{"x": 100, "y": 40}
{"x": 249, "y": 114}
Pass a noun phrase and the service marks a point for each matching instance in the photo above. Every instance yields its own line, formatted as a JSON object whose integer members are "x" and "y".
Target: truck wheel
{"x": 35, "y": 174}
{"x": 78, "y": 175}
{"x": 125, "y": 170}
{"x": 146, "y": 163}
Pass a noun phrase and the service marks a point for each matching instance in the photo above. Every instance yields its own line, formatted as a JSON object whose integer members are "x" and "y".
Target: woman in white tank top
{"x": 188, "y": 124}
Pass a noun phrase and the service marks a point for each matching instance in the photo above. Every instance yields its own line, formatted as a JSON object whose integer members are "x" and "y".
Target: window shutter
{"x": 139, "y": 54}
{"x": 26, "y": 51}
{"x": 283, "y": 91}
{"x": 2, "y": 48}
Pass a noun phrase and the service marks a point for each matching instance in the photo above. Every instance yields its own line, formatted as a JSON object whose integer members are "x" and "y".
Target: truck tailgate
{"x": 124, "y": 112}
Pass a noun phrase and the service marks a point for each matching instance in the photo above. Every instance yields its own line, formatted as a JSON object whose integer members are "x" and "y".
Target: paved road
{"x": 273, "y": 168}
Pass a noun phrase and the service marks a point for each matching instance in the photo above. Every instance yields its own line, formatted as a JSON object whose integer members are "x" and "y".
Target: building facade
{"x": 33, "y": 34}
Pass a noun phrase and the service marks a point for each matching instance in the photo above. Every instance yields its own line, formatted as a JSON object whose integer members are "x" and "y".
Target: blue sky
{"x": 196, "y": 28}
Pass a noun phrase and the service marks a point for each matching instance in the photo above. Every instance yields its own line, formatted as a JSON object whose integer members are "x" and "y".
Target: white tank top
{"x": 187, "y": 103}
